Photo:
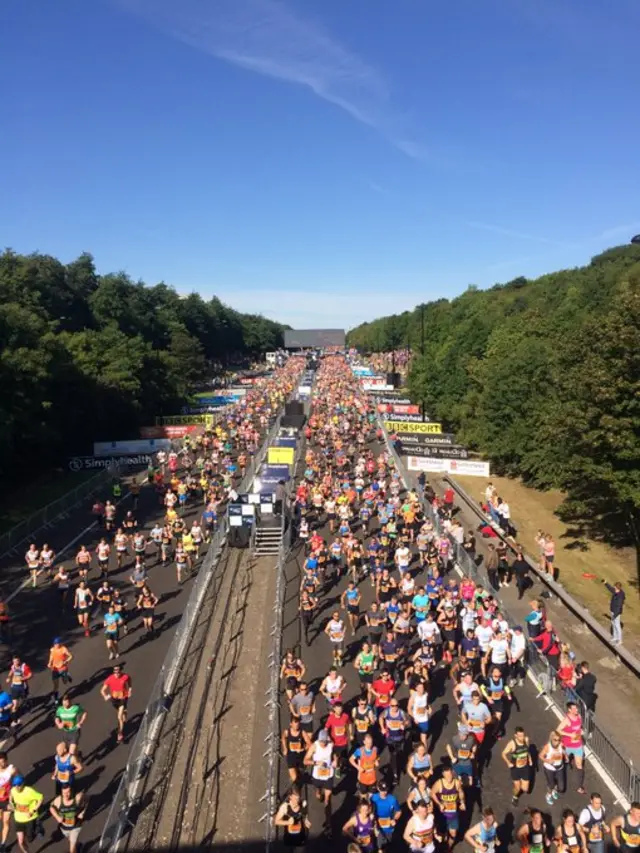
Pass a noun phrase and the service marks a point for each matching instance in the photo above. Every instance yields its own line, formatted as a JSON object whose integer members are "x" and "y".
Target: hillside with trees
{"x": 87, "y": 357}
{"x": 543, "y": 378}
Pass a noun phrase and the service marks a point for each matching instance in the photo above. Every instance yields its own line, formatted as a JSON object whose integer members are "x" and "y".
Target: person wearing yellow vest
{"x": 25, "y": 803}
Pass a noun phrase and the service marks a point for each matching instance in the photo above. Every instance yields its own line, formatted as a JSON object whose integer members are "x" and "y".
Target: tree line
{"x": 543, "y": 378}
{"x": 87, "y": 357}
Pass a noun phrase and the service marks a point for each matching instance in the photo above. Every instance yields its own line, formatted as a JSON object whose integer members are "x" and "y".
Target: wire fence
{"x": 56, "y": 511}
{"x": 602, "y": 747}
{"x": 272, "y": 739}
{"x": 122, "y": 813}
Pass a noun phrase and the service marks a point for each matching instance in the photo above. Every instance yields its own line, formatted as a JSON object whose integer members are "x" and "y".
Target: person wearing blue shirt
{"x": 6, "y": 703}
{"x": 112, "y": 622}
{"x": 421, "y": 605}
{"x": 387, "y": 811}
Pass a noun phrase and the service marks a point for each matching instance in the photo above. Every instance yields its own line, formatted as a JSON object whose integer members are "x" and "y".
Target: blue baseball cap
{"x": 56, "y": 641}
{"x": 17, "y": 780}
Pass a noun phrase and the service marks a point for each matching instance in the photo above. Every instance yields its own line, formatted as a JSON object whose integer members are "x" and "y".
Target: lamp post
{"x": 422, "y": 348}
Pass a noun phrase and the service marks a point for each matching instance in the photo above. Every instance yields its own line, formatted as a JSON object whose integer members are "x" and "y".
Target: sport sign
{"x": 167, "y": 431}
{"x": 410, "y": 441}
{"x": 444, "y": 452}
{"x": 411, "y": 428}
{"x": 185, "y": 420}
{"x": 280, "y": 455}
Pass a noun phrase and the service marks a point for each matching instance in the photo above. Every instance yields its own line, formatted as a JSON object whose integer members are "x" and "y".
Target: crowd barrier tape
{"x": 607, "y": 756}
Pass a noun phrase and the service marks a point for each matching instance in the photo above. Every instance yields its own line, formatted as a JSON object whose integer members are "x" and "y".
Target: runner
{"x": 7, "y": 772}
{"x": 112, "y": 623}
{"x": 25, "y": 804}
{"x": 65, "y": 768}
{"x": 59, "y": 659}
{"x": 483, "y": 837}
{"x": 517, "y": 756}
{"x": 69, "y": 719}
{"x": 292, "y": 816}
{"x": 146, "y": 604}
{"x": 32, "y": 559}
{"x": 18, "y": 680}
{"x": 118, "y": 688}
{"x": 68, "y": 809}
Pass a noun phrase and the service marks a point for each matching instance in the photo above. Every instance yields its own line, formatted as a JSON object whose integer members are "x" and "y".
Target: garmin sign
{"x": 90, "y": 463}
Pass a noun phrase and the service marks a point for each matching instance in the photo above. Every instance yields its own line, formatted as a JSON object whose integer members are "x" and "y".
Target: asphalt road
{"x": 496, "y": 786}
{"x": 38, "y": 618}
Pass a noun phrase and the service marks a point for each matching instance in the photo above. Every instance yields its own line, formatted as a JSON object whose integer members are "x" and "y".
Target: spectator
{"x": 492, "y": 566}
{"x": 504, "y": 516}
{"x": 449, "y": 497}
{"x": 566, "y": 668}
{"x": 504, "y": 569}
{"x": 469, "y": 544}
{"x": 586, "y": 685}
{"x": 520, "y": 569}
{"x": 534, "y": 619}
{"x": 547, "y": 643}
{"x": 616, "y": 606}
{"x": 280, "y": 496}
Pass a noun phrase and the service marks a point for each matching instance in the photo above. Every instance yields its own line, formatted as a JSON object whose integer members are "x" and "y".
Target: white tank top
{"x": 419, "y": 827}
{"x": 322, "y": 755}
{"x": 334, "y": 685}
{"x": 420, "y": 703}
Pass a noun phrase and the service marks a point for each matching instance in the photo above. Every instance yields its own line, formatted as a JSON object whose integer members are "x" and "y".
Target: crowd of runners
{"x": 410, "y": 641}
{"x": 109, "y": 590}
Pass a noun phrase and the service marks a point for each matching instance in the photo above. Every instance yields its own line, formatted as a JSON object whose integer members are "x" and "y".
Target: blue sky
{"x": 321, "y": 161}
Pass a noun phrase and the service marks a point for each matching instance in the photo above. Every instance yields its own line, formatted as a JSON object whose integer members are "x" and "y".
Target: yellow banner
{"x": 407, "y": 427}
{"x": 185, "y": 420}
{"x": 280, "y": 456}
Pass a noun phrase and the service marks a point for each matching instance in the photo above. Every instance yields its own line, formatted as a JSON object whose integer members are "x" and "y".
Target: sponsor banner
{"x": 411, "y": 441}
{"x": 280, "y": 455}
{"x": 184, "y": 420}
{"x": 373, "y": 386}
{"x": 304, "y": 390}
{"x": 217, "y": 400}
{"x": 248, "y": 380}
{"x": 411, "y": 428}
{"x": 269, "y": 476}
{"x": 385, "y": 393}
{"x": 420, "y": 463}
{"x": 203, "y": 410}
{"x": 167, "y": 431}
{"x": 395, "y": 401}
{"x": 403, "y": 418}
{"x": 130, "y": 448}
{"x": 88, "y": 463}
{"x": 283, "y": 441}
{"x": 469, "y": 467}
{"x": 444, "y": 452}
{"x": 398, "y": 408}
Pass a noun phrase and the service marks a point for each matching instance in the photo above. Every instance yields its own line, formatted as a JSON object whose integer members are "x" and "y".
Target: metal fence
{"x": 272, "y": 739}
{"x": 56, "y": 511}
{"x": 601, "y": 746}
{"x": 122, "y": 811}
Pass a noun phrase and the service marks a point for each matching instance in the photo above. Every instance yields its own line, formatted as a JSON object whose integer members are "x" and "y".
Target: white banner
{"x": 467, "y": 467}
{"x": 304, "y": 390}
{"x": 376, "y": 386}
{"x": 130, "y": 448}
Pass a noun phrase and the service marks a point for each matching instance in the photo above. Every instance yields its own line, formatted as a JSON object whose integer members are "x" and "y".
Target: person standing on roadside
{"x": 520, "y": 569}
{"x": 492, "y": 564}
{"x": 616, "y": 606}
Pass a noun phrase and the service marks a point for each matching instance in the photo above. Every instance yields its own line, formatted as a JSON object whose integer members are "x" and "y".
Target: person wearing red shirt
{"x": 337, "y": 725}
{"x": 383, "y": 689}
{"x": 547, "y": 643}
{"x": 449, "y": 497}
{"x": 118, "y": 688}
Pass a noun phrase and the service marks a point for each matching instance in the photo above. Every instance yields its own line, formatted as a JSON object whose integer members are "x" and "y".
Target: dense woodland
{"x": 87, "y": 357}
{"x": 543, "y": 378}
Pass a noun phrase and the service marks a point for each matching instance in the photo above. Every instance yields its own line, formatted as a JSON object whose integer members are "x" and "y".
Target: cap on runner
{"x": 17, "y": 780}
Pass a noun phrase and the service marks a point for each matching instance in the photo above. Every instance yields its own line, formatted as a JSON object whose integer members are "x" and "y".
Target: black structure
{"x": 314, "y": 338}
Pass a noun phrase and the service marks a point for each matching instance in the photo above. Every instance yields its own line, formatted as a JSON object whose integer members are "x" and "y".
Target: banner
{"x": 283, "y": 441}
{"x": 404, "y": 418}
{"x": 445, "y": 452}
{"x": 395, "y": 401}
{"x": 167, "y": 431}
{"x": 130, "y": 448}
{"x": 444, "y": 439}
{"x": 398, "y": 409}
{"x": 185, "y": 420}
{"x": 467, "y": 467}
{"x": 380, "y": 385}
{"x": 280, "y": 455}
{"x": 410, "y": 428}
{"x": 89, "y": 463}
